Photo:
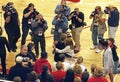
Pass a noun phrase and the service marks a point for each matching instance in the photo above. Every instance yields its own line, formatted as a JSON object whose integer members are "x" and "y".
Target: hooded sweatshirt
{"x": 39, "y": 63}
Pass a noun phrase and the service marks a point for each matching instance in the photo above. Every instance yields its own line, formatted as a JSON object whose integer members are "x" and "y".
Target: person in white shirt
{"x": 108, "y": 62}
{"x": 68, "y": 50}
{"x": 79, "y": 61}
{"x": 65, "y": 64}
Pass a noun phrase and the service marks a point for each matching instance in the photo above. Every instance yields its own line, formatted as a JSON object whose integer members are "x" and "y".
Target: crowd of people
{"x": 35, "y": 67}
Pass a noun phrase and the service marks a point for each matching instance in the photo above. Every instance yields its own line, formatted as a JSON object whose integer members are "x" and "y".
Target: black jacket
{"x": 3, "y": 43}
{"x": 18, "y": 70}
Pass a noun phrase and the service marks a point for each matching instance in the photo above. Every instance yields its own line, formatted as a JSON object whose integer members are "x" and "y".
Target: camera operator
{"x": 98, "y": 27}
{"x": 39, "y": 26}
{"x": 77, "y": 20}
{"x": 12, "y": 24}
{"x": 62, "y": 8}
{"x": 61, "y": 23}
{"x": 113, "y": 21}
{"x": 29, "y": 14}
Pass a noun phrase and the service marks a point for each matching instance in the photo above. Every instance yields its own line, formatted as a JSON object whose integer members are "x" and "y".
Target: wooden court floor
{"x": 46, "y": 7}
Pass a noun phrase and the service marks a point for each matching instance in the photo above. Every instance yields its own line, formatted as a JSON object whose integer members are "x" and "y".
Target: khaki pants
{"x": 112, "y": 31}
{"x": 76, "y": 35}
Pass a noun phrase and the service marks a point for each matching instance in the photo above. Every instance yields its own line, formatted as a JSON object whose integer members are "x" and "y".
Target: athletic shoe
{"x": 98, "y": 51}
{"x": 93, "y": 47}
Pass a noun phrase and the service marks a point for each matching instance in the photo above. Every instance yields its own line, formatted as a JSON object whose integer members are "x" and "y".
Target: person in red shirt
{"x": 60, "y": 73}
{"x": 41, "y": 62}
{"x": 98, "y": 76}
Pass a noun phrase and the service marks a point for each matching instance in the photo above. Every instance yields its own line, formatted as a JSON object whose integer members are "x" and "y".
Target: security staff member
{"x": 3, "y": 44}
{"x": 77, "y": 20}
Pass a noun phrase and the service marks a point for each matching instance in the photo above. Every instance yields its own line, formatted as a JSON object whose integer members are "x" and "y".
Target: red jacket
{"x": 39, "y": 63}
{"x": 58, "y": 75}
{"x": 97, "y": 79}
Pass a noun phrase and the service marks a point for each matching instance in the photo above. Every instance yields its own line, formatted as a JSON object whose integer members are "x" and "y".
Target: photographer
{"x": 11, "y": 25}
{"x": 63, "y": 8}
{"x": 29, "y": 14}
{"x": 98, "y": 27}
{"x": 61, "y": 23}
{"x": 39, "y": 26}
{"x": 113, "y": 21}
{"x": 77, "y": 22}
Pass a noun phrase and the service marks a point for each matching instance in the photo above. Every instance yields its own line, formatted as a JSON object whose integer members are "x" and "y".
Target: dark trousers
{"x": 94, "y": 35}
{"x": 13, "y": 36}
{"x": 40, "y": 39}
{"x": 3, "y": 62}
{"x": 56, "y": 57}
{"x": 25, "y": 30}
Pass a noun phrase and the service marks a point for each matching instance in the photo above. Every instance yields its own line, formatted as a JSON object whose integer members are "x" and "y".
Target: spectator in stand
{"x": 30, "y": 52}
{"x": 32, "y": 77}
{"x": 85, "y": 76}
{"x": 60, "y": 73}
{"x": 65, "y": 64}
{"x": 26, "y": 59}
{"x": 45, "y": 76}
{"x": 69, "y": 76}
{"x": 3, "y": 43}
{"x": 79, "y": 61}
{"x": 77, "y": 70}
{"x": 41, "y": 62}
{"x": 113, "y": 47}
{"x": 19, "y": 70}
{"x": 98, "y": 76}
{"x": 17, "y": 79}
{"x": 77, "y": 79}
{"x": 93, "y": 67}
{"x": 108, "y": 62}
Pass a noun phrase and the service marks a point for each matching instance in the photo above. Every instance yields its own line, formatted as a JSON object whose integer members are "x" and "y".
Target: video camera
{"x": 64, "y": 7}
{"x": 34, "y": 13}
{"x": 9, "y": 8}
{"x": 61, "y": 16}
{"x": 74, "y": 14}
{"x": 94, "y": 13}
{"x": 107, "y": 9}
